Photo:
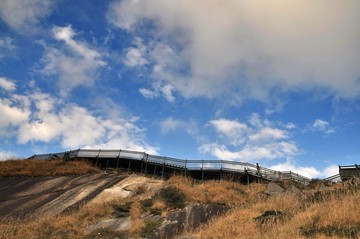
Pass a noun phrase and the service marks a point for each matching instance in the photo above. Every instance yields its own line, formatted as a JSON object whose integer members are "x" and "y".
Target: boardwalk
{"x": 164, "y": 166}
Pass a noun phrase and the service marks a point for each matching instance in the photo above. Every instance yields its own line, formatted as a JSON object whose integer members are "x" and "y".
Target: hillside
{"x": 144, "y": 207}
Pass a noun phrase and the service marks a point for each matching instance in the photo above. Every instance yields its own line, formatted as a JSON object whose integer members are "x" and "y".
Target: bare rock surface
{"x": 21, "y": 196}
{"x": 293, "y": 190}
{"x": 128, "y": 187}
{"x": 273, "y": 189}
{"x": 188, "y": 219}
{"x": 117, "y": 224}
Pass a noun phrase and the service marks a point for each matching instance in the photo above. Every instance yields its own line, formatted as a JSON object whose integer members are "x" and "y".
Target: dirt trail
{"x": 21, "y": 196}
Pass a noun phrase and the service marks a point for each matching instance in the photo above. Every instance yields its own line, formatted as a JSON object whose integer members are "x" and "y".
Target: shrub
{"x": 150, "y": 228}
{"x": 173, "y": 197}
{"x": 122, "y": 210}
{"x": 155, "y": 211}
{"x": 146, "y": 204}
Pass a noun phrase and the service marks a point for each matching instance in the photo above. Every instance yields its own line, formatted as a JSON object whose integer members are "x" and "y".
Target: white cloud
{"x": 257, "y": 140}
{"x": 170, "y": 124}
{"x": 6, "y": 155}
{"x": 135, "y": 56}
{"x": 148, "y": 93}
{"x": 232, "y": 129}
{"x": 7, "y": 84}
{"x": 13, "y": 111}
{"x": 306, "y": 171}
{"x": 24, "y": 15}
{"x": 42, "y": 118}
{"x": 330, "y": 171}
{"x": 322, "y": 126}
{"x": 289, "y": 165}
{"x": 6, "y": 46}
{"x": 76, "y": 65}
{"x": 167, "y": 91}
{"x": 74, "y": 126}
{"x": 250, "y": 47}
{"x": 268, "y": 133}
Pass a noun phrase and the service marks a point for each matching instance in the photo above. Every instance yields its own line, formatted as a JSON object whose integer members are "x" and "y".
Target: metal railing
{"x": 189, "y": 165}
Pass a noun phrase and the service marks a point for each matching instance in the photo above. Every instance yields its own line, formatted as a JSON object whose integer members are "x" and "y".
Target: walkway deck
{"x": 160, "y": 165}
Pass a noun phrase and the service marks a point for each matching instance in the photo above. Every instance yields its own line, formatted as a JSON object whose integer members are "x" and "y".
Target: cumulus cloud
{"x": 250, "y": 47}
{"x": 234, "y": 130}
{"x": 157, "y": 90}
{"x": 254, "y": 140}
{"x": 322, "y": 126}
{"x": 307, "y": 171}
{"x": 13, "y": 111}
{"x": 7, "y": 84}
{"x": 42, "y": 118}
{"x": 24, "y": 15}
{"x": 135, "y": 56}
{"x": 75, "y": 65}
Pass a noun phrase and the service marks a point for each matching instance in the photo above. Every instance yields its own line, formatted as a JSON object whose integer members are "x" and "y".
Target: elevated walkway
{"x": 202, "y": 169}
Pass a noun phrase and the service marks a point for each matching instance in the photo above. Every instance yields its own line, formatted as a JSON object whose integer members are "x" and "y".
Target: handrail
{"x": 189, "y": 165}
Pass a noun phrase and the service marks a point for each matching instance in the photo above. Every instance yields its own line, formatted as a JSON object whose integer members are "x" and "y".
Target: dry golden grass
{"x": 135, "y": 215}
{"x": 333, "y": 214}
{"x": 35, "y": 167}
{"x": 73, "y": 225}
{"x": 215, "y": 191}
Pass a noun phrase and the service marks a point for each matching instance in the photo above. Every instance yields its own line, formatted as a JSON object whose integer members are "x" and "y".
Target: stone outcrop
{"x": 273, "y": 189}
{"x": 188, "y": 219}
{"x": 116, "y": 224}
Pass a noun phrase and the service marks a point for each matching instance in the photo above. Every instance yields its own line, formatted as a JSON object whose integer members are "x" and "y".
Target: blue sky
{"x": 274, "y": 82}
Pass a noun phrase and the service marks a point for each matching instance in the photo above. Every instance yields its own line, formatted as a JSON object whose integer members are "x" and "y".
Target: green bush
{"x": 150, "y": 228}
{"x": 155, "y": 211}
{"x": 173, "y": 197}
{"x": 122, "y": 210}
{"x": 146, "y": 204}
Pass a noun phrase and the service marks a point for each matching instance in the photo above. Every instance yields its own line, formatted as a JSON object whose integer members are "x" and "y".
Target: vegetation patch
{"x": 146, "y": 204}
{"x": 150, "y": 229}
{"x": 173, "y": 197}
{"x": 122, "y": 210}
{"x": 270, "y": 216}
{"x": 331, "y": 231}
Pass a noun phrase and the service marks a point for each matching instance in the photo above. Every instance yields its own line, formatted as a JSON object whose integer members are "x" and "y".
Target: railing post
{"x": 118, "y": 158}
{"x": 129, "y": 166}
{"x": 154, "y": 171}
{"x": 220, "y": 169}
{"x": 163, "y": 168}
{"x": 146, "y": 163}
{"x": 202, "y": 170}
{"x": 185, "y": 168}
{"x": 107, "y": 163}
